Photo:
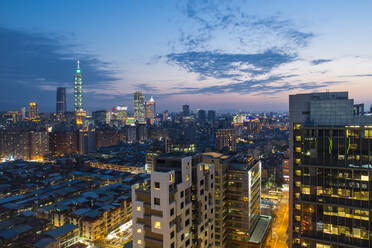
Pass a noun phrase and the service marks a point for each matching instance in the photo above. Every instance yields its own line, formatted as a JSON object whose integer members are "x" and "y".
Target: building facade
{"x": 33, "y": 112}
{"x": 61, "y": 100}
{"x": 78, "y": 89}
{"x": 176, "y": 207}
{"x": 150, "y": 111}
{"x": 226, "y": 140}
{"x": 330, "y": 171}
{"x": 139, "y": 107}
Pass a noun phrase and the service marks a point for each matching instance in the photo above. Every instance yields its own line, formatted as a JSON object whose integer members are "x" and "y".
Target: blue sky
{"x": 224, "y": 55}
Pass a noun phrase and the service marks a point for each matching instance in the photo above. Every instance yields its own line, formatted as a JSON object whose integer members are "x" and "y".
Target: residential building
{"x": 176, "y": 207}
{"x": 226, "y": 140}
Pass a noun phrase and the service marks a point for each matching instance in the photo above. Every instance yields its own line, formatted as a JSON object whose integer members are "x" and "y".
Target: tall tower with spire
{"x": 78, "y": 89}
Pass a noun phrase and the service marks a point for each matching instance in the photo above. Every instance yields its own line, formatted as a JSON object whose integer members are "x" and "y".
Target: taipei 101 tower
{"x": 78, "y": 89}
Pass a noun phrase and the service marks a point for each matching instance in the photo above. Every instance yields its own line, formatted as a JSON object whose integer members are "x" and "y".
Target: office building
{"x": 238, "y": 219}
{"x": 139, "y": 107}
{"x": 102, "y": 117}
{"x": 33, "y": 111}
{"x": 186, "y": 110}
{"x": 78, "y": 89}
{"x": 61, "y": 100}
{"x": 119, "y": 113}
{"x": 150, "y": 111}
{"x": 201, "y": 115}
{"x": 226, "y": 140}
{"x": 330, "y": 170}
{"x": 176, "y": 207}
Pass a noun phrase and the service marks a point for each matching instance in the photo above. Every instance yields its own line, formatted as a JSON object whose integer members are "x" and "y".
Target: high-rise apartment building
{"x": 150, "y": 110}
{"x": 238, "y": 219}
{"x": 61, "y": 100}
{"x": 226, "y": 139}
{"x": 176, "y": 207}
{"x": 139, "y": 107}
{"x": 78, "y": 89}
{"x": 330, "y": 172}
{"x": 33, "y": 111}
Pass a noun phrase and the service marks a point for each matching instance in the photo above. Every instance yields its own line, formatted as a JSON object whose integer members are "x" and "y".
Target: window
{"x": 171, "y": 178}
{"x": 187, "y": 211}
{"x": 139, "y": 241}
{"x": 182, "y": 205}
{"x": 182, "y": 236}
{"x": 298, "y": 149}
{"x": 157, "y": 185}
{"x": 138, "y": 208}
{"x": 172, "y": 235}
{"x": 157, "y": 225}
{"x": 188, "y": 177}
{"x": 298, "y": 172}
{"x": 187, "y": 243}
{"x": 201, "y": 182}
{"x": 172, "y": 245}
{"x": 182, "y": 193}
{"x": 187, "y": 222}
{"x": 157, "y": 201}
{"x": 298, "y": 160}
{"x": 139, "y": 230}
{"x": 172, "y": 212}
{"x": 298, "y": 138}
{"x": 188, "y": 165}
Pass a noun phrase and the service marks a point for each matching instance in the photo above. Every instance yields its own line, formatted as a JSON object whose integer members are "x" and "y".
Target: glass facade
{"x": 331, "y": 186}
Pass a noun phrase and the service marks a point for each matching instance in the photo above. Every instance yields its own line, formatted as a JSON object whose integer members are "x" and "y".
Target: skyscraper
{"x": 78, "y": 89}
{"x": 139, "y": 107}
{"x": 201, "y": 116}
{"x": 150, "y": 110}
{"x": 211, "y": 116}
{"x": 186, "y": 110}
{"x": 330, "y": 170}
{"x": 32, "y": 111}
{"x": 61, "y": 100}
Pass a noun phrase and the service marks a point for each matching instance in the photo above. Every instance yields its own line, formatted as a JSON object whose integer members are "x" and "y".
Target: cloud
{"x": 147, "y": 87}
{"x": 36, "y": 62}
{"x": 359, "y": 75}
{"x": 207, "y": 21}
{"x": 269, "y": 86}
{"x": 224, "y": 65}
{"x": 320, "y": 61}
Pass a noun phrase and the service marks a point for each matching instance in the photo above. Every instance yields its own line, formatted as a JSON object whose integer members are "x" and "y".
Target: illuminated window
{"x": 298, "y": 161}
{"x": 245, "y": 198}
{"x": 139, "y": 230}
{"x": 157, "y": 224}
{"x": 364, "y": 178}
{"x": 188, "y": 177}
{"x": 298, "y": 206}
{"x": 305, "y": 190}
{"x": 298, "y": 149}
{"x": 297, "y": 229}
{"x": 296, "y": 126}
{"x": 138, "y": 208}
{"x": 298, "y": 138}
{"x": 201, "y": 167}
{"x": 188, "y": 165}
{"x": 298, "y": 172}
{"x": 297, "y": 195}
{"x": 139, "y": 241}
{"x": 298, "y": 218}
{"x": 171, "y": 178}
{"x": 157, "y": 185}
{"x": 298, "y": 184}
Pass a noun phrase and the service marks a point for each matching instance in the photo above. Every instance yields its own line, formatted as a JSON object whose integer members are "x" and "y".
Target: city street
{"x": 279, "y": 236}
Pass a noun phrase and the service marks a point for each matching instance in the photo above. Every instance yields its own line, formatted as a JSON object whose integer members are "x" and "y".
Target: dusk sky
{"x": 223, "y": 55}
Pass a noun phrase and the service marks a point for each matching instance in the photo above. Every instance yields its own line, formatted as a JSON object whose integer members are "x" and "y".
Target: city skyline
{"x": 240, "y": 55}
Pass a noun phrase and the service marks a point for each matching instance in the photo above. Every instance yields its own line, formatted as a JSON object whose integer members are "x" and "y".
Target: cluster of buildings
{"x": 62, "y": 204}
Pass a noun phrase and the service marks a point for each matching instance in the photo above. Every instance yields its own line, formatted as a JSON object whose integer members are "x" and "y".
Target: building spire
{"x": 78, "y": 67}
